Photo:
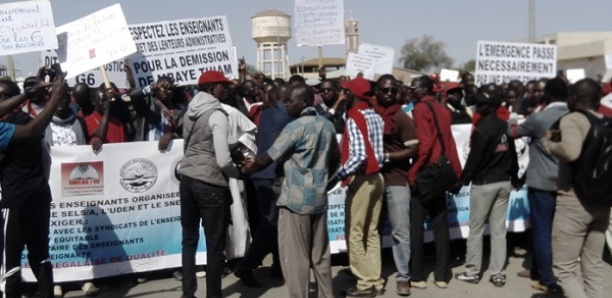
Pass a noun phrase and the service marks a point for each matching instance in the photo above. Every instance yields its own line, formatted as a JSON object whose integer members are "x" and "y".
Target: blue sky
{"x": 459, "y": 24}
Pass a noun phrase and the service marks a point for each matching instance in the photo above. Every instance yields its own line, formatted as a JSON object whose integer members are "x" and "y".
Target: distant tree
{"x": 425, "y": 54}
{"x": 469, "y": 66}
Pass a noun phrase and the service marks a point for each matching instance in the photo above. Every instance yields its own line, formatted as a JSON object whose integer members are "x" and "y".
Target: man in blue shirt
{"x": 310, "y": 146}
{"x": 273, "y": 120}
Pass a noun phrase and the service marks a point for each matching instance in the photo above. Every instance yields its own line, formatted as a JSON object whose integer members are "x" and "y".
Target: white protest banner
{"x": 449, "y": 75}
{"x": 118, "y": 211}
{"x": 93, "y": 78}
{"x": 94, "y": 40}
{"x": 501, "y": 62}
{"x": 575, "y": 75}
{"x": 517, "y": 218}
{"x": 319, "y": 22}
{"x": 26, "y": 26}
{"x": 182, "y": 49}
{"x": 384, "y": 57}
{"x": 356, "y": 63}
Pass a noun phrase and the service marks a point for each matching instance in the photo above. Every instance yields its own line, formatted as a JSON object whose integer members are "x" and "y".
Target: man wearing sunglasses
{"x": 400, "y": 144}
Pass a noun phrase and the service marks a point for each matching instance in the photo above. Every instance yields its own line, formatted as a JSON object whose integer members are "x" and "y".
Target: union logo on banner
{"x": 82, "y": 178}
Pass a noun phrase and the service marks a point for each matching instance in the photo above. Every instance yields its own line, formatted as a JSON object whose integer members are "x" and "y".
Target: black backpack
{"x": 592, "y": 171}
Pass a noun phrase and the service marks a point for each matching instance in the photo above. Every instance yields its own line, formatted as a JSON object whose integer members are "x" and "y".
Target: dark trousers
{"x": 439, "y": 224}
{"x": 265, "y": 239}
{"x": 210, "y": 204}
{"x": 28, "y": 225}
{"x": 542, "y": 210}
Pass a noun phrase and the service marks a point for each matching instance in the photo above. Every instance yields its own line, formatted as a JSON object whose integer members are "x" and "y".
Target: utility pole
{"x": 11, "y": 66}
{"x": 532, "y": 21}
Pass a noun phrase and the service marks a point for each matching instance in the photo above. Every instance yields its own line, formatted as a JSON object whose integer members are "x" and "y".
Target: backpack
{"x": 592, "y": 171}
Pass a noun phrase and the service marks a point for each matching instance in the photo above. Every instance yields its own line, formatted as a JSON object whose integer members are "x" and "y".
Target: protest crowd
{"x": 276, "y": 147}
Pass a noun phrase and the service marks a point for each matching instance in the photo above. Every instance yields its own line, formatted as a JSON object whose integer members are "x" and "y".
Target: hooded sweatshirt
{"x": 205, "y": 130}
{"x": 66, "y": 132}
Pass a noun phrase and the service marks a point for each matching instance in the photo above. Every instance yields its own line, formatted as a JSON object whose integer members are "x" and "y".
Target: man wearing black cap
{"x": 492, "y": 168}
{"x": 204, "y": 184}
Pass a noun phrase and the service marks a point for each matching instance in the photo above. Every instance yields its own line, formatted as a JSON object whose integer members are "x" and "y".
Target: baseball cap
{"x": 450, "y": 86}
{"x": 358, "y": 86}
{"x": 213, "y": 76}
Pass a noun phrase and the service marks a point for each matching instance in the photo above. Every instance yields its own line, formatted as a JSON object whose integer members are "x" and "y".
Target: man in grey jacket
{"x": 204, "y": 184}
{"x": 541, "y": 179}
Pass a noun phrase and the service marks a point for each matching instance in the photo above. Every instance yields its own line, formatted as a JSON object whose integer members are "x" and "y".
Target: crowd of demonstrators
{"x": 269, "y": 148}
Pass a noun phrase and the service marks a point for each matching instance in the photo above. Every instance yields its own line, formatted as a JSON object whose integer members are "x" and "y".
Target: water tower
{"x": 271, "y": 29}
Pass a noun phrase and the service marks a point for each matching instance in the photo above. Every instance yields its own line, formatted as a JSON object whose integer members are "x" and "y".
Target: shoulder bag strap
{"x": 439, "y": 134}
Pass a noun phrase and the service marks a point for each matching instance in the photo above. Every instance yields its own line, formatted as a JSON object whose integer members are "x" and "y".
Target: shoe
{"x": 498, "y": 280}
{"x": 355, "y": 292}
{"x": 525, "y": 273}
{"x": 380, "y": 292}
{"x": 441, "y": 284}
{"x": 418, "y": 284}
{"x": 142, "y": 280}
{"x": 201, "y": 274}
{"x": 89, "y": 289}
{"x": 536, "y": 285}
{"x": 178, "y": 275}
{"x": 403, "y": 288}
{"x": 246, "y": 276}
{"x": 57, "y": 292}
{"x": 468, "y": 278}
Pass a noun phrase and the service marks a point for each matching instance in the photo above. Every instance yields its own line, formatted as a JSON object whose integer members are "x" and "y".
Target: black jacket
{"x": 492, "y": 157}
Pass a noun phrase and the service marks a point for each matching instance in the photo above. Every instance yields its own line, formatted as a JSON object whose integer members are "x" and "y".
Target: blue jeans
{"x": 542, "y": 205}
{"x": 398, "y": 206}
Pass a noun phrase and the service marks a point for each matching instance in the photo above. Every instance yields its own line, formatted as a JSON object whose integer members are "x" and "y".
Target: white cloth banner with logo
{"x": 116, "y": 212}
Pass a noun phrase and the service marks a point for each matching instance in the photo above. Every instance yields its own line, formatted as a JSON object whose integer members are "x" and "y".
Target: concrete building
{"x": 271, "y": 29}
{"x": 589, "y": 50}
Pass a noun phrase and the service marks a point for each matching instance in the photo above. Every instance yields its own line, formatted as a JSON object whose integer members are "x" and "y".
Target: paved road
{"x": 162, "y": 285}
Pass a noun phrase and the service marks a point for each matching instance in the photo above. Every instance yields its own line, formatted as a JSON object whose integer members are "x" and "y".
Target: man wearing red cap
{"x": 204, "y": 183}
{"x": 453, "y": 94}
{"x": 362, "y": 159}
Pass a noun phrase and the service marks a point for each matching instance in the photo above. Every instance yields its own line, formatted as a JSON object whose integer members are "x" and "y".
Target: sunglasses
{"x": 324, "y": 90}
{"x": 388, "y": 90}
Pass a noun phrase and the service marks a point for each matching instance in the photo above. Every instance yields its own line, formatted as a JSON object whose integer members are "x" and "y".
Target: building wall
{"x": 593, "y": 66}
